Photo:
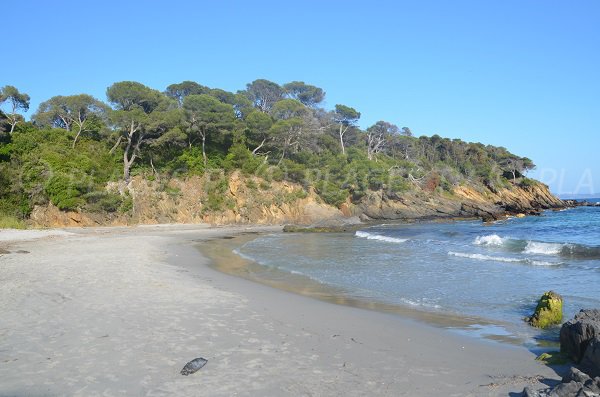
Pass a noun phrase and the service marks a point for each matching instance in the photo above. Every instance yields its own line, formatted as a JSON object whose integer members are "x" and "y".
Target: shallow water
{"x": 496, "y": 272}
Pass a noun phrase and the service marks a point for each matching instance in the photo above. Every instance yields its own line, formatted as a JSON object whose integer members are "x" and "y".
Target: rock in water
{"x": 577, "y": 334}
{"x": 548, "y": 311}
{"x": 193, "y": 366}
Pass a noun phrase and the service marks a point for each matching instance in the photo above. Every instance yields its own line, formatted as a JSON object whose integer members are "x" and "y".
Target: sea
{"x": 492, "y": 274}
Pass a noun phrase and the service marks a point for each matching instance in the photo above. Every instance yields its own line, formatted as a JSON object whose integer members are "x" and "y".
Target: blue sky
{"x": 519, "y": 74}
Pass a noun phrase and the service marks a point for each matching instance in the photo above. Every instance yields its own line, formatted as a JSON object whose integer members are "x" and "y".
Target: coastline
{"x": 119, "y": 311}
{"x": 222, "y": 257}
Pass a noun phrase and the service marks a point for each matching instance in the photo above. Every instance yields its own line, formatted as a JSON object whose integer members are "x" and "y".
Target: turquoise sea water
{"x": 495, "y": 272}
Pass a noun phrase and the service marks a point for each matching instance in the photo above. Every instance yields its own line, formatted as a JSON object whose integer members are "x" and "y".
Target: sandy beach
{"x": 120, "y": 311}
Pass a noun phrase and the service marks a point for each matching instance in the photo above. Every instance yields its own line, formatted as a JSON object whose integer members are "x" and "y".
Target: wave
{"x": 482, "y": 257}
{"x": 531, "y": 247}
{"x": 535, "y": 247}
{"x": 490, "y": 240}
{"x": 370, "y": 236}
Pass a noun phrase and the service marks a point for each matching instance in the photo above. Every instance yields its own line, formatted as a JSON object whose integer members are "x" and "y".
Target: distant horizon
{"x": 567, "y": 196}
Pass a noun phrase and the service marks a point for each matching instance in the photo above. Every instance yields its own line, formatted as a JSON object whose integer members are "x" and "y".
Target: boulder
{"x": 570, "y": 389}
{"x": 530, "y": 392}
{"x": 548, "y": 311}
{"x": 590, "y": 362}
{"x": 574, "y": 384}
{"x": 577, "y": 334}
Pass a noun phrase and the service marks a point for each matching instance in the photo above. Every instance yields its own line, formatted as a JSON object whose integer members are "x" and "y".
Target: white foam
{"x": 541, "y": 263}
{"x": 421, "y": 304}
{"x": 244, "y": 256}
{"x": 534, "y": 247}
{"x": 489, "y": 240}
{"x": 482, "y": 257}
{"x": 370, "y": 236}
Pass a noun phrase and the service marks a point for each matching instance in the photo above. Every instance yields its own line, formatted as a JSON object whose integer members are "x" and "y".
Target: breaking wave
{"x": 490, "y": 240}
{"x": 370, "y": 236}
{"x": 482, "y": 257}
{"x": 564, "y": 250}
{"x": 534, "y": 247}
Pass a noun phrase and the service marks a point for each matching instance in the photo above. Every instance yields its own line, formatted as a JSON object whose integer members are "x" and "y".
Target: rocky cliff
{"x": 463, "y": 202}
{"x": 236, "y": 199}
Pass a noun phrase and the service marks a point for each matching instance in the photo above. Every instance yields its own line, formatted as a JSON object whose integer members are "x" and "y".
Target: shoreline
{"x": 223, "y": 258}
{"x": 77, "y": 321}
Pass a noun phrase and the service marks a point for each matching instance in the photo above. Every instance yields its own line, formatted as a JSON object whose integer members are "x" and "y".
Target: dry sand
{"x": 119, "y": 311}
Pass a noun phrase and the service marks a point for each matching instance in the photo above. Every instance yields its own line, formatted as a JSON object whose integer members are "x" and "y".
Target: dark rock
{"x": 530, "y": 392}
{"x": 193, "y": 366}
{"x": 591, "y": 358}
{"x": 593, "y": 385}
{"x": 570, "y": 389}
{"x": 576, "y": 334}
{"x": 574, "y": 384}
{"x": 575, "y": 375}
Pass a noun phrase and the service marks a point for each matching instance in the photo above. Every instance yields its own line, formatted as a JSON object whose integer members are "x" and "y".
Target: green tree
{"x": 378, "y": 136}
{"x": 308, "y": 94}
{"x": 287, "y": 109}
{"x": 346, "y": 117}
{"x": 258, "y": 126}
{"x": 16, "y": 101}
{"x": 180, "y": 90}
{"x": 78, "y": 113}
{"x": 134, "y": 103}
{"x": 288, "y": 135}
{"x": 206, "y": 115}
{"x": 263, "y": 94}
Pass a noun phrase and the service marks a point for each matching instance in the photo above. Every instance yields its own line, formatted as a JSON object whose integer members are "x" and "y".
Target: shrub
{"x": 102, "y": 201}
{"x": 331, "y": 193}
{"x": 11, "y": 222}
{"x": 64, "y": 192}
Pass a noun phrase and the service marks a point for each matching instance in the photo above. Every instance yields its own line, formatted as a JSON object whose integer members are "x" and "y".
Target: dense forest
{"x": 75, "y": 145}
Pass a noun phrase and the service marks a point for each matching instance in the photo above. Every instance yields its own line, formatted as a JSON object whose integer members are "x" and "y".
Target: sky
{"x": 520, "y": 74}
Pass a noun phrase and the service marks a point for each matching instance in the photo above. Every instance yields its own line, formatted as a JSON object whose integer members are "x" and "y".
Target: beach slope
{"x": 120, "y": 311}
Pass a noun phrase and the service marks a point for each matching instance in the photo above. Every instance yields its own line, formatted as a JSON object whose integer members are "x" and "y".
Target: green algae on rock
{"x": 549, "y": 311}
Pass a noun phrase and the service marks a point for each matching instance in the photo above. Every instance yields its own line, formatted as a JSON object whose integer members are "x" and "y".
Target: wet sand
{"x": 119, "y": 311}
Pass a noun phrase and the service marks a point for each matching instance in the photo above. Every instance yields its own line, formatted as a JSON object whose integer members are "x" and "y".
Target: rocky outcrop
{"x": 574, "y": 384}
{"x": 548, "y": 311}
{"x": 252, "y": 200}
{"x": 585, "y": 203}
{"x": 464, "y": 202}
{"x": 577, "y": 334}
{"x": 590, "y": 362}
{"x": 244, "y": 200}
{"x": 580, "y": 340}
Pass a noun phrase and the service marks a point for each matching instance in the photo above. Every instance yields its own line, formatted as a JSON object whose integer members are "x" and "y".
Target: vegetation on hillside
{"x": 75, "y": 145}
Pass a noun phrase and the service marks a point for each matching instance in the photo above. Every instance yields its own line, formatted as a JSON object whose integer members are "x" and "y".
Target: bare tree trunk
{"x": 203, "y": 149}
{"x": 341, "y": 133}
{"x": 282, "y": 156}
{"x": 76, "y": 137}
{"x": 127, "y": 159}
{"x": 259, "y": 146}
{"x": 126, "y": 168}
{"x": 116, "y": 145}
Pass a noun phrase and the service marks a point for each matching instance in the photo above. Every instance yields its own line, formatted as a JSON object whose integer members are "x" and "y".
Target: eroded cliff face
{"x": 463, "y": 202}
{"x": 243, "y": 201}
{"x": 250, "y": 200}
